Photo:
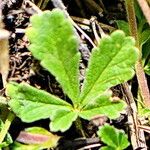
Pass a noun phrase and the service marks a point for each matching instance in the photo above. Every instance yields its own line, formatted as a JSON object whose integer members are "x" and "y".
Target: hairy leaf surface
{"x": 62, "y": 120}
{"x": 111, "y": 63}
{"x": 54, "y": 43}
{"x": 103, "y": 105}
{"x": 31, "y": 104}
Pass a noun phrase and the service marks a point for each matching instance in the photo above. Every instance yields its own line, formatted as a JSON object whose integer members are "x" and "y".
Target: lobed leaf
{"x": 144, "y": 36}
{"x": 32, "y": 104}
{"x": 124, "y": 26}
{"x": 107, "y": 148}
{"x": 114, "y": 138}
{"x": 62, "y": 120}
{"x": 103, "y": 106}
{"x": 54, "y": 43}
{"x": 111, "y": 63}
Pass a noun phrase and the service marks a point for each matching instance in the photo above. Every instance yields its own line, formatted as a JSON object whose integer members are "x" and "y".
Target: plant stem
{"x": 6, "y": 126}
{"x": 132, "y": 20}
{"x": 79, "y": 127}
{"x": 143, "y": 86}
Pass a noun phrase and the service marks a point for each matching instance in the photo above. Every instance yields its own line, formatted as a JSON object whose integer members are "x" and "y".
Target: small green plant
{"x": 114, "y": 138}
{"x": 55, "y": 44}
{"x": 8, "y": 140}
{"x": 5, "y": 137}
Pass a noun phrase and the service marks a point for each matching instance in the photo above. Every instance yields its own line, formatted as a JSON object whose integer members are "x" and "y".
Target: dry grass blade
{"x": 146, "y": 9}
{"x": 136, "y": 134}
{"x": 145, "y": 128}
{"x": 4, "y": 50}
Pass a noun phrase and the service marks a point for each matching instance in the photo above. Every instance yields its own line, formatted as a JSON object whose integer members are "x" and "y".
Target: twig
{"x": 145, "y": 128}
{"x": 19, "y": 30}
{"x": 30, "y": 7}
{"x": 90, "y": 146}
{"x": 87, "y": 22}
{"x": 59, "y": 4}
{"x": 145, "y": 9}
{"x": 78, "y": 143}
{"x": 102, "y": 5}
{"x": 136, "y": 134}
{"x": 143, "y": 83}
{"x": 93, "y": 23}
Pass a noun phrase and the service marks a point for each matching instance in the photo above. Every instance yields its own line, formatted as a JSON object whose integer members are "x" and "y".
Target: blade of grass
{"x": 6, "y": 126}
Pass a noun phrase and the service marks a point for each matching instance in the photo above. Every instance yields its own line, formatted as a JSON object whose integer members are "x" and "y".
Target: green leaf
{"x": 62, "y": 120}
{"x": 144, "y": 36}
{"x": 31, "y": 104}
{"x": 38, "y": 136}
{"x": 7, "y": 140}
{"x": 123, "y": 25}
{"x": 109, "y": 65}
{"x": 19, "y": 146}
{"x": 107, "y": 148}
{"x": 139, "y": 13}
{"x": 146, "y": 51}
{"x": 144, "y": 112}
{"x": 147, "y": 68}
{"x": 103, "y": 105}
{"x": 54, "y": 43}
{"x": 113, "y": 137}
